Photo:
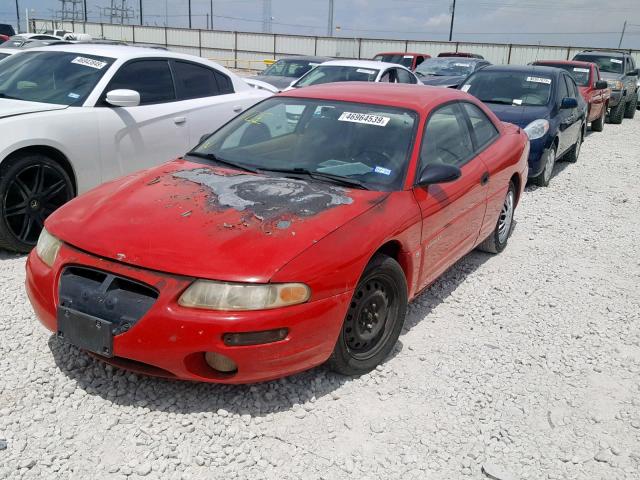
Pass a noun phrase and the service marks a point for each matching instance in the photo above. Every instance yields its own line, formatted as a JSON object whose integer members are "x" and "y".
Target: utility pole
{"x": 141, "y": 21}
{"x": 189, "y": 13}
{"x": 453, "y": 16}
{"x": 330, "y": 19}
{"x": 266, "y": 16}
{"x": 84, "y": 9}
{"x": 624, "y": 27}
{"x": 18, "y": 15}
{"x": 211, "y": 14}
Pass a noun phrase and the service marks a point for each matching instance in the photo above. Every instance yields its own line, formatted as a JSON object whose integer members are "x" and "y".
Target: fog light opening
{"x": 255, "y": 338}
{"x": 220, "y": 363}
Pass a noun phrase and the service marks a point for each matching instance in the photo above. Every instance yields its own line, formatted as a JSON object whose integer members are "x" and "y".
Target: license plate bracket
{"x": 85, "y": 331}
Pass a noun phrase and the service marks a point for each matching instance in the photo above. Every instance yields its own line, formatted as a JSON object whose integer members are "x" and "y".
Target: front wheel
{"x": 616, "y": 114}
{"x": 549, "y": 160}
{"x": 374, "y": 319}
{"x": 630, "y": 110}
{"x": 497, "y": 241}
{"x": 31, "y": 188}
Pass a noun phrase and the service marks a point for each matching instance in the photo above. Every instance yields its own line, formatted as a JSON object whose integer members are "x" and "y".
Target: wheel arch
{"x": 51, "y": 152}
{"x": 393, "y": 249}
{"x": 517, "y": 183}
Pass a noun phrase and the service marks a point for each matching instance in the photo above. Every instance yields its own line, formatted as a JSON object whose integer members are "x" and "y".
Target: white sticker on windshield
{"x": 364, "y": 118}
{"x": 89, "y": 62}
{"x": 615, "y": 60}
{"x": 462, "y": 64}
{"x": 382, "y": 170}
{"x": 517, "y": 101}
{"x": 546, "y": 81}
{"x": 465, "y": 88}
{"x": 368, "y": 72}
{"x": 74, "y": 96}
{"x": 583, "y": 70}
{"x": 408, "y": 56}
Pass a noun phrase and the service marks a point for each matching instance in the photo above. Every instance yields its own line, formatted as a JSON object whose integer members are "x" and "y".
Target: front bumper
{"x": 170, "y": 340}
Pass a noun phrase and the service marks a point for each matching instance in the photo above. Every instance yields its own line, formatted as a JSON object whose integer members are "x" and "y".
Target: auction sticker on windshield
{"x": 89, "y": 62}
{"x": 583, "y": 70}
{"x": 615, "y": 60}
{"x": 546, "y": 81}
{"x": 368, "y": 72}
{"x": 364, "y": 118}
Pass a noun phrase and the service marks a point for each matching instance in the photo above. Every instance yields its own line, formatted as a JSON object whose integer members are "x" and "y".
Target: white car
{"x": 74, "y": 116}
{"x": 356, "y": 71}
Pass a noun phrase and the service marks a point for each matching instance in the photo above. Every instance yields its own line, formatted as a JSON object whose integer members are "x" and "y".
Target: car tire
{"x": 630, "y": 110}
{"x": 32, "y": 186}
{"x": 617, "y": 113}
{"x": 598, "y": 124}
{"x": 574, "y": 152}
{"x": 374, "y": 319}
{"x": 543, "y": 179}
{"x": 497, "y": 241}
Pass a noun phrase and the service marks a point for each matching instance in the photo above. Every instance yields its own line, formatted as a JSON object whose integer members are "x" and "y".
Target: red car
{"x": 406, "y": 59}
{"x": 593, "y": 89}
{"x": 292, "y": 236}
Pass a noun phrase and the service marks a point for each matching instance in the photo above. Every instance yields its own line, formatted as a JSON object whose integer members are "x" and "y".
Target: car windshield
{"x": 399, "y": 58}
{"x": 335, "y": 73}
{"x": 509, "y": 88}
{"x": 354, "y": 143}
{"x": 579, "y": 74}
{"x": 445, "y": 67}
{"x": 605, "y": 62}
{"x": 62, "y": 78}
{"x": 290, "y": 68}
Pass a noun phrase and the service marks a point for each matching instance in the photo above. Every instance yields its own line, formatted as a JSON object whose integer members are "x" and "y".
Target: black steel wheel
{"x": 32, "y": 187}
{"x": 374, "y": 319}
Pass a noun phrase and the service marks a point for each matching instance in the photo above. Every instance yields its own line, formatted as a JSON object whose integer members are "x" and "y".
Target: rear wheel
{"x": 630, "y": 110}
{"x": 598, "y": 124}
{"x": 374, "y": 320}
{"x": 549, "y": 160}
{"x": 616, "y": 114}
{"x": 497, "y": 241}
{"x": 31, "y": 188}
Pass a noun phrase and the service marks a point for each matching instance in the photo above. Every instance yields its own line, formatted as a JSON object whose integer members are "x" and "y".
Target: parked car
{"x": 79, "y": 115}
{"x": 5, "y": 52}
{"x": 293, "y": 236}
{"x": 545, "y": 102}
{"x": 19, "y": 42}
{"x": 287, "y": 70}
{"x": 449, "y": 71}
{"x": 356, "y": 71}
{"x": 619, "y": 70}
{"x": 459, "y": 54}
{"x": 594, "y": 90}
{"x": 406, "y": 59}
{"x": 6, "y": 32}
{"x": 36, "y": 36}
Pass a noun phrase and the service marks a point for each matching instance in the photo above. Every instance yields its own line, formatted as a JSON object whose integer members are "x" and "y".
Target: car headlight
{"x": 48, "y": 247}
{"x": 615, "y": 84}
{"x": 537, "y": 129}
{"x": 212, "y": 295}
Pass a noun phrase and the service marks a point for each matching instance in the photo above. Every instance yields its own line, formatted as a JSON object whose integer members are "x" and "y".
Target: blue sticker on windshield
{"x": 74, "y": 96}
{"x": 382, "y": 170}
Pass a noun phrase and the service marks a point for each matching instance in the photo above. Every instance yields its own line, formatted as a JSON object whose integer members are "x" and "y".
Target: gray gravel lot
{"x": 524, "y": 365}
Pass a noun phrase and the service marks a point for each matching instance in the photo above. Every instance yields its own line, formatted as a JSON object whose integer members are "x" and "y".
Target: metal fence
{"x": 246, "y": 50}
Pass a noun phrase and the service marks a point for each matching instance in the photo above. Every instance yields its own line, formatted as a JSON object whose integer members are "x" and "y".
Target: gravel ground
{"x": 524, "y": 365}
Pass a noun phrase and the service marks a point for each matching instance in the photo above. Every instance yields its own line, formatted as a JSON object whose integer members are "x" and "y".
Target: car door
{"x": 565, "y": 115}
{"x": 132, "y": 138}
{"x": 405, "y": 76}
{"x": 452, "y": 213}
{"x": 579, "y": 112}
{"x": 207, "y": 98}
{"x": 597, "y": 103}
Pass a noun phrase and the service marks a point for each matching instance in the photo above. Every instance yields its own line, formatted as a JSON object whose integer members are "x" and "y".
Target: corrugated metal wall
{"x": 248, "y": 50}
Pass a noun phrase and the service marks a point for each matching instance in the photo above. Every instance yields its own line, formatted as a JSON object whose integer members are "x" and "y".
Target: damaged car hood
{"x": 204, "y": 221}
{"x": 12, "y": 108}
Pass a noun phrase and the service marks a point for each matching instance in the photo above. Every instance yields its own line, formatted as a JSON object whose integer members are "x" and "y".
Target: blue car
{"x": 544, "y": 101}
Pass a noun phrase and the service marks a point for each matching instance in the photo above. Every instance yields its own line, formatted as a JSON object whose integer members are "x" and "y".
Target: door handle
{"x": 179, "y": 120}
{"x": 485, "y": 178}
{"x": 237, "y": 108}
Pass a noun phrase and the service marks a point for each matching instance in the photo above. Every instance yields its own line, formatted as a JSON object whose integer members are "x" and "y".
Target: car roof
{"x": 362, "y": 63}
{"x": 306, "y": 58}
{"x": 609, "y": 53}
{"x": 401, "y": 53}
{"x": 412, "y": 97}
{"x": 576, "y": 63}
{"x": 539, "y": 69}
{"x": 460, "y": 59}
{"x": 124, "y": 52}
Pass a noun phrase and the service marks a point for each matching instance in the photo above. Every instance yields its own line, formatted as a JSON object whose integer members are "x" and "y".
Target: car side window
{"x": 446, "y": 139}
{"x": 419, "y": 60}
{"x": 150, "y": 78}
{"x": 482, "y": 128}
{"x": 194, "y": 81}
{"x": 562, "y": 88}
{"x": 571, "y": 86}
{"x": 405, "y": 77}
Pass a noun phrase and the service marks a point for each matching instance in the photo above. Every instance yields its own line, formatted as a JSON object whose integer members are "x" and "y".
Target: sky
{"x": 595, "y": 23}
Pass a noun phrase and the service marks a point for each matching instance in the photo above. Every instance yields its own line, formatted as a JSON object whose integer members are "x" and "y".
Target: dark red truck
{"x": 594, "y": 90}
{"x": 406, "y": 59}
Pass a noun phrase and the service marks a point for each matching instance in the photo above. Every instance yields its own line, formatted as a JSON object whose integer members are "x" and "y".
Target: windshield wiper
{"x": 500, "y": 102}
{"x": 4, "y": 95}
{"x": 349, "y": 182}
{"x": 215, "y": 158}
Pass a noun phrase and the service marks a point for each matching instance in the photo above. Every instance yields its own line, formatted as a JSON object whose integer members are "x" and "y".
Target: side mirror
{"x": 601, "y": 85}
{"x": 204, "y": 137}
{"x": 123, "y": 98}
{"x": 568, "y": 102}
{"x": 440, "y": 173}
